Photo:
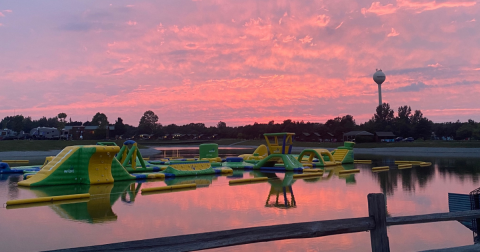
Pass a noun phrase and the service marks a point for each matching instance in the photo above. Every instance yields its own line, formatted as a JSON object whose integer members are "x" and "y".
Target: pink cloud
{"x": 321, "y": 20}
{"x": 393, "y": 33}
{"x": 433, "y": 5}
{"x": 417, "y": 6}
{"x": 289, "y": 38}
{"x": 8, "y": 11}
{"x": 377, "y": 8}
{"x": 307, "y": 39}
{"x": 130, "y": 22}
{"x": 1, "y": 14}
{"x": 338, "y": 26}
{"x": 247, "y": 58}
{"x": 435, "y": 65}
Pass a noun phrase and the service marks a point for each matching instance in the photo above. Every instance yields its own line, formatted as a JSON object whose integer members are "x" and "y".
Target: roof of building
{"x": 88, "y": 127}
{"x": 358, "y": 133}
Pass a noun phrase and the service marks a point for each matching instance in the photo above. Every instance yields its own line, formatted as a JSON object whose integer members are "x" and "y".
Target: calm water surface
{"x": 118, "y": 212}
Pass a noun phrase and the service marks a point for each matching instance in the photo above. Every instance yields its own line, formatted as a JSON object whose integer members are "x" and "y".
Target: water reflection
{"x": 420, "y": 190}
{"x": 281, "y": 189}
{"x": 201, "y": 181}
{"x": 97, "y": 209}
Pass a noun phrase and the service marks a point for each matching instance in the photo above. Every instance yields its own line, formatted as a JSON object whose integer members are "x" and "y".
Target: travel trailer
{"x": 44, "y": 133}
{"x": 7, "y": 134}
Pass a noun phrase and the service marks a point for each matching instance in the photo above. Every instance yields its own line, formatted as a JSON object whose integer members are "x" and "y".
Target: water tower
{"x": 379, "y": 78}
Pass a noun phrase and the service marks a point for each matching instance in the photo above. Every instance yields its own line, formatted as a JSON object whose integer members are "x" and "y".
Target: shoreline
{"x": 403, "y": 151}
{"x": 383, "y": 151}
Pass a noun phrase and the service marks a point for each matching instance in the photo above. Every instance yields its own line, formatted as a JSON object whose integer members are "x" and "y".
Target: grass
{"x": 46, "y": 145}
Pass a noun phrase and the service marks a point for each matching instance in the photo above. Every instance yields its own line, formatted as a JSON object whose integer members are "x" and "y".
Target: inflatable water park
{"x": 106, "y": 163}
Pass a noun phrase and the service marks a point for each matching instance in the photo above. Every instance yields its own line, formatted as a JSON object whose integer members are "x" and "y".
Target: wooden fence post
{"x": 377, "y": 211}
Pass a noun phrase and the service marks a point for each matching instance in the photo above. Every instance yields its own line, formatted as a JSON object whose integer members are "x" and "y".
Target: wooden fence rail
{"x": 376, "y": 223}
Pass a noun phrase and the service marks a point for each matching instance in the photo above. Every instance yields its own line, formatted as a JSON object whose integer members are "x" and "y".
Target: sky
{"x": 240, "y": 62}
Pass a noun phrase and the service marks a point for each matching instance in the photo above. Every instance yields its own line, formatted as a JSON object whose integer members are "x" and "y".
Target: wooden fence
{"x": 376, "y": 223}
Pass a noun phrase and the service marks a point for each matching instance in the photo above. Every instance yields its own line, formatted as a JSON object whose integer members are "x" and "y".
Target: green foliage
{"x": 465, "y": 131}
{"x": 148, "y": 122}
{"x": 62, "y": 117}
{"x": 100, "y": 119}
{"x": 120, "y": 127}
{"x": 14, "y": 123}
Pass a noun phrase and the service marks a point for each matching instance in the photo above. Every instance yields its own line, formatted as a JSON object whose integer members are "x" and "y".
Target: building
{"x": 384, "y": 136}
{"x": 352, "y": 135}
{"x": 85, "y": 132}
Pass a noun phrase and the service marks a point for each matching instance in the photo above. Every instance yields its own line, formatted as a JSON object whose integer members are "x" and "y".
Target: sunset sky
{"x": 238, "y": 61}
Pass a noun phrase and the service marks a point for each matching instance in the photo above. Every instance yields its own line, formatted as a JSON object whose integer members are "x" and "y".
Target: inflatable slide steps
{"x": 340, "y": 154}
{"x": 88, "y": 164}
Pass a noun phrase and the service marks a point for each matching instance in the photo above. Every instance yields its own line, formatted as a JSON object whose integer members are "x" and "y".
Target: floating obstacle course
{"x": 344, "y": 154}
{"x": 319, "y": 154}
{"x": 88, "y": 164}
{"x": 6, "y": 169}
{"x": 280, "y": 152}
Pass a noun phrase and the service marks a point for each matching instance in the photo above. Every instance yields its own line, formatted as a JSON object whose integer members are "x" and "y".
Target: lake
{"x": 118, "y": 212}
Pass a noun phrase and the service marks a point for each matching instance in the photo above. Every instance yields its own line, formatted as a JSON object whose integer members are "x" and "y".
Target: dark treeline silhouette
{"x": 404, "y": 123}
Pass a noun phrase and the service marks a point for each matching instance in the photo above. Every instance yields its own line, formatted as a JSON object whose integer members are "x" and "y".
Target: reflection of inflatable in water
{"x": 280, "y": 192}
{"x": 96, "y": 210}
{"x": 200, "y": 181}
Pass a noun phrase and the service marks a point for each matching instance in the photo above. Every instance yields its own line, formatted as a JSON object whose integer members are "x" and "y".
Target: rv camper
{"x": 7, "y": 134}
{"x": 45, "y": 133}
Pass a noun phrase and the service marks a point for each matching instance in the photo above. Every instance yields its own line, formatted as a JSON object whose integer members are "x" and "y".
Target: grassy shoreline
{"x": 46, "y": 145}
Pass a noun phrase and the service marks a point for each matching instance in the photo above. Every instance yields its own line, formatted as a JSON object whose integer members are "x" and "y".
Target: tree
{"x": 61, "y": 123}
{"x": 402, "y": 121}
{"x": 148, "y": 122}
{"x": 465, "y": 131}
{"x": 383, "y": 117}
{"x": 416, "y": 117}
{"x": 14, "y": 123}
{"x": 28, "y": 124}
{"x": 221, "y": 125}
{"x": 100, "y": 120}
{"x": 384, "y": 113}
{"x": 404, "y": 113}
{"x": 120, "y": 128}
{"x": 62, "y": 117}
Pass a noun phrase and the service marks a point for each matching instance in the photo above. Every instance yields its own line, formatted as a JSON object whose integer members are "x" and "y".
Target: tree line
{"x": 404, "y": 123}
